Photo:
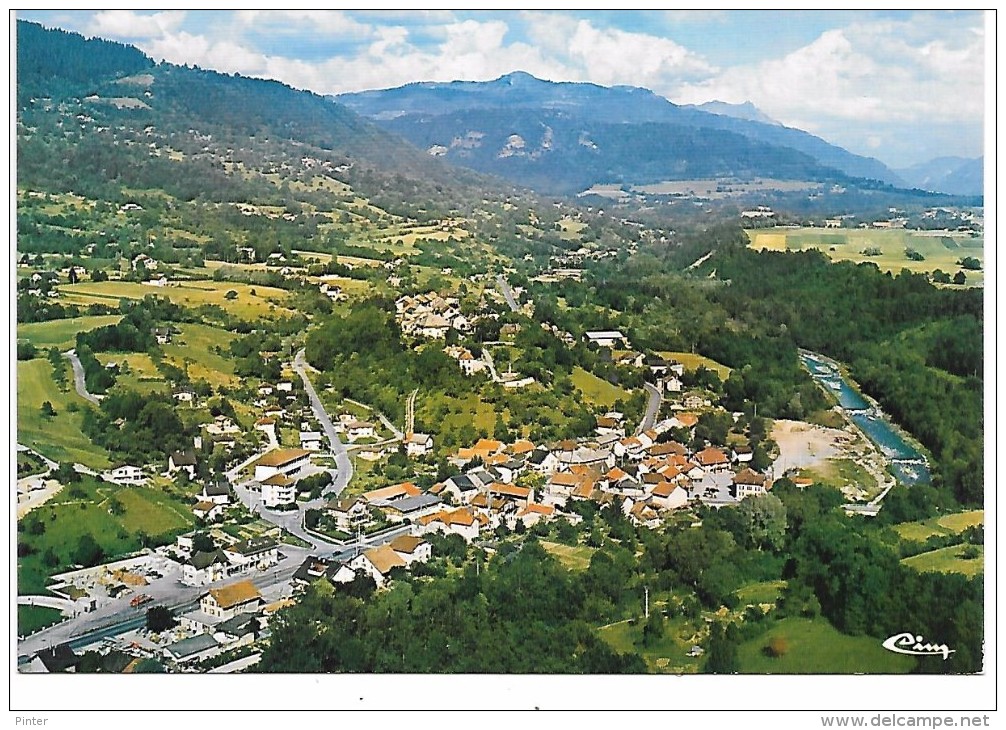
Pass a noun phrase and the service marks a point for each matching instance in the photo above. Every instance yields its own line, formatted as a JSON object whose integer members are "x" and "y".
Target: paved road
{"x": 504, "y": 288}
{"x": 343, "y": 464}
{"x": 652, "y": 407}
{"x": 78, "y": 377}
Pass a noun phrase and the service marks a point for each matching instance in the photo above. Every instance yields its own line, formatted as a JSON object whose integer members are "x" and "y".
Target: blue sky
{"x": 903, "y": 86}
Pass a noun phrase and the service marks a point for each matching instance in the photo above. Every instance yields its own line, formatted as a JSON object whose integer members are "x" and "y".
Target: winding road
{"x": 78, "y": 377}
{"x": 652, "y": 407}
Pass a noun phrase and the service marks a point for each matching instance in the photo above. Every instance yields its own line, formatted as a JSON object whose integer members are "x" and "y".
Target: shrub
{"x": 777, "y": 647}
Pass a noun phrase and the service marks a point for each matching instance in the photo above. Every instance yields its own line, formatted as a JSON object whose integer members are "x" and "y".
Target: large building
{"x": 281, "y": 461}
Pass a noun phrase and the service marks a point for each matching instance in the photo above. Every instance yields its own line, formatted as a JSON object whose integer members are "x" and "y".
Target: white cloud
{"x": 329, "y": 22}
{"x": 130, "y": 25}
{"x": 879, "y": 72}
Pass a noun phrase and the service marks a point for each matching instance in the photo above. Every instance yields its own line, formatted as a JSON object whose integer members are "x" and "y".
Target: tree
{"x": 960, "y": 278}
{"x": 160, "y": 618}
{"x": 231, "y": 295}
{"x": 722, "y": 655}
{"x": 764, "y": 519}
{"x": 88, "y": 552}
{"x": 47, "y": 410}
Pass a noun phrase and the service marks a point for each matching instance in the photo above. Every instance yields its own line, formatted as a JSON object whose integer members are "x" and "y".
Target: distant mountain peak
{"x": 515, "y": 78}
{"x": 746, "y": 110}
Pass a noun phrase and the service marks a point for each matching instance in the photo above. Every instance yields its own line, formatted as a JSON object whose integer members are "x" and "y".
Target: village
{"x": 288, "y": 515}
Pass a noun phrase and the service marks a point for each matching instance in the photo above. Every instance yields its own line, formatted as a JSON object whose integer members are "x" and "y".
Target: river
{"x": 906, "y": 463}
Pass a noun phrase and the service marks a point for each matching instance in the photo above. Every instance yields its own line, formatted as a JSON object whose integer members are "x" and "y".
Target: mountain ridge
{"x": 413, "y": 106}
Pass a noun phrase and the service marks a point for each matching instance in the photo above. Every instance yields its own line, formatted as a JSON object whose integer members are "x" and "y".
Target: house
{"x": 162, "y": 335}
{"x": 182, "y": 461}
{"x": 695, "y": 399}
{"x": 642, "y": 514}
{"x": 668, "y": 495}
{"x": 410, "y": 508}
{"x": 257, "y": 553}
{"x": 460, "y": 487}
{"x": 228, "y": 601}
{"x": 418, "y": 444}
{"x": 284, "y": 386}
{"x": 125, "y": 474}
{"x": 207, "y": 511}
{"x": 356, "y": 430}
{"x": 59, "y": 658}
{"x": 349, "y": 513}
{"x": 749, "y": 483}
{"x": 461, "y": 521}
{"x": 310, "y": 440}
{"x": 378, "y": 563}
{"x": 281, "y": 461}
{"x": 712, "y": 459}
{"x": 142, "y": 259}
{"x": 194, "y": 649}
{"x": 314, "y": 569}
{"x": 411, "y": 549}
{"x": 543, "y": 461}
{"x": 392, "y": 493}
{"x": 608, "y": 425}
{"x": 519, "y": 496}
{"x": 279, "y": 489}
{"x": 203, "y": 568}
{"x": 433, "y": 326}
{"x": 657, "y": 365}
{"x": 184, "y": 395}
{"x": 217, "y": 493}
{"x": 742, "y": 454}
{"x": 606, "y": 338}
{"x": 268, "y": 427}
{"x": 533, "y": 513}
{"x": 521, "y": 448}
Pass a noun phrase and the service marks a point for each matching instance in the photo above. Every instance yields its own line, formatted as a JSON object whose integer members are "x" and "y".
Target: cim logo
{"x": 912, "y": 644}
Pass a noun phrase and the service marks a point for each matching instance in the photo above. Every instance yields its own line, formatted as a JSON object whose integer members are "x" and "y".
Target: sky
{"x": 902, "y": 86}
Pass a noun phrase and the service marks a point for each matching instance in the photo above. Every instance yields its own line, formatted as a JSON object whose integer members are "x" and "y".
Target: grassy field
{"x": 195, "y": 348}
{"x": 264, "y": 301}
{"x": 840, "y": 473}
{"x": 940, "y": 249}
{"x": 572, "y": 558}
{"x": 60, "y": 437}
{"x": 764, "y": 592}
{"x": 692, "y": 361}
{"x": 815, "y": 647}
{"x": 949, "y": 560}
{"x": 947, "y": 525}
{"x": 62, "y": 332}
{"x": 667, "y": 655}
{"x": 142, "y": 374}
{"x": 85, "y": 509}
{"x": 595, "y": 390}
{"x": 33, "y": 618}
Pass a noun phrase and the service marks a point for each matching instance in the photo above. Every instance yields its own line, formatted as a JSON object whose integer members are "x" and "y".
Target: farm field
{"x": 595, "y": 390}
{"x": 62, "y": 333}
{"x": 571, "y": 557}
{"x": 264, "y": 301}
{"x": 691, "y": 361}
{"x": 195, "y": 349}
{"x": 813, "y": 646}
{"x": 60, "y": 437}
{"x": 953, "y": 559}
{"x": 941, "y": 249}
{"x": 953, "y": 524}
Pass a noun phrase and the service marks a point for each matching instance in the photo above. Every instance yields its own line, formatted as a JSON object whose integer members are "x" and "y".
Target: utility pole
{"x": 646, "y": 604}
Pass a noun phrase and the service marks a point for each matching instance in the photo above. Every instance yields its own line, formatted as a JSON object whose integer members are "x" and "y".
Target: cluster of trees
{"x": 521, "y": 614}
{"x": 137, "y": 428}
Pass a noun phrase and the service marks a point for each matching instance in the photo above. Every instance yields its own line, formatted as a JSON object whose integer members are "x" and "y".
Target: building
{"x": 606, "y": 338}
{"x": 418, "y": 444}
{"x": 378, "y": 563}
{"x": 310, "y": 440}
{"x": 257, "y": 553}
{"x": 411, "y": 549}
{"x": 227, "y": 602}
{"x": 125, "y": 474}
{"x": 281, "y": 461}
{"x": 749, "y": 483}
{"x": 182, "y": 461}
{"x": 279, "y": 489}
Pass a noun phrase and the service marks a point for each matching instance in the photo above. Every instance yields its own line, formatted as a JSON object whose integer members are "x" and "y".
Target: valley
{"x": 354, "y": 409}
